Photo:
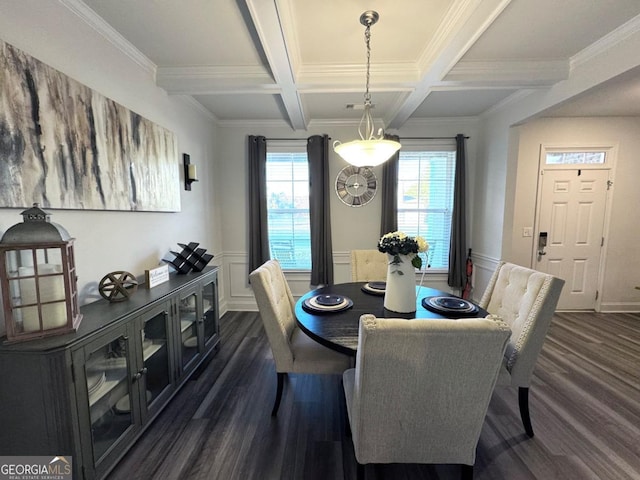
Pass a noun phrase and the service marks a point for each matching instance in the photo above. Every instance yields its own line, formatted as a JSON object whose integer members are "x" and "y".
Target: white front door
{"x": 571, "y": 217}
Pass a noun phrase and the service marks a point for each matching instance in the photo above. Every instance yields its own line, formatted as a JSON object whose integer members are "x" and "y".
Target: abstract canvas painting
{"x": 63, "y": 145}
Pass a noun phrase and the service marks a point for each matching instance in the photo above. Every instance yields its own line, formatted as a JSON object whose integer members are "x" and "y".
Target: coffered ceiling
{"x": 301, "y": 62}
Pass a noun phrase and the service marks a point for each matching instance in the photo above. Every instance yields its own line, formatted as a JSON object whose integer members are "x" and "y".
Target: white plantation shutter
{"x": 425, "y": 199}
{"x": 288, "y": 207}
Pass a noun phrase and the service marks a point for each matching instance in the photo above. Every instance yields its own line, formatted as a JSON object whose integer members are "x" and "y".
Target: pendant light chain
{"x": 371, "y": 149}
{"x": 367, "y": 37}
{"x": 366, "y": 122}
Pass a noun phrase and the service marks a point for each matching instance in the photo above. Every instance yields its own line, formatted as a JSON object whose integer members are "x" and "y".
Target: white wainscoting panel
{"x": 483, "y": 268}
{"x": 239, "y": 294}
{"x": 236, "y": 293}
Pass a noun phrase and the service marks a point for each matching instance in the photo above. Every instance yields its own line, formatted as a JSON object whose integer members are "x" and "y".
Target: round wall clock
{"x": 356, "y": 186}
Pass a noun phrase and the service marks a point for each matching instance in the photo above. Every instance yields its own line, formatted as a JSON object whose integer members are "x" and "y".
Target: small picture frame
{"x": 156, "y": 276}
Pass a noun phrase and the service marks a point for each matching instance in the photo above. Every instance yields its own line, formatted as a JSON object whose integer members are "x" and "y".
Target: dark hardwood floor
{"x": 585, "y": 409}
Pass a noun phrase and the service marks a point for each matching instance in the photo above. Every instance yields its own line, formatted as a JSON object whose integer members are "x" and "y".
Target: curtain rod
{"x": 401, "y": 138}
{"x": 430, "y": 138}
{"x": 290, "y": 139}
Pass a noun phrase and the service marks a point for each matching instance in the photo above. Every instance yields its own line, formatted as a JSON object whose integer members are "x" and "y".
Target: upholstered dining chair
{"x": 368, "y": 266}
{"x": 420, "y": 389}
{"x": 526, "y": 300}
{"x": 293, "y": 351}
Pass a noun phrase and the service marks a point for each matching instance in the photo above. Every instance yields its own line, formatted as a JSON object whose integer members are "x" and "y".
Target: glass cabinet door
{"x": 155, "y": 374}
{"x": 210, "y": 317}
{"x": 188, "y": 313}
{"x": 107, "y": 378}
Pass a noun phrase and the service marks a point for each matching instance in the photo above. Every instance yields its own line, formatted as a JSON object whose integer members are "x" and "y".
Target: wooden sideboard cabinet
{"x": 90, "y": 394}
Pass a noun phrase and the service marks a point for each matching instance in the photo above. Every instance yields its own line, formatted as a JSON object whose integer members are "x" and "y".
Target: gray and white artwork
{"x": 63, "y": 145}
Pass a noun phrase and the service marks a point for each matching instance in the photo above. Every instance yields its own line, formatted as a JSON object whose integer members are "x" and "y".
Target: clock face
{"x": 356, "y": 186}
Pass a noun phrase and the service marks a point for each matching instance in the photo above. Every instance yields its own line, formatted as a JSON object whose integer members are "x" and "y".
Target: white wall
{"x": 503, "y": 202}
{"x": 352, "y": 228}
{"x": 109, "y": 241}
{"x": 214, "y": 213}
{"x": 622, "y": 248}
{"x": 506, "y": 197}
{"x": 488, "y": 202}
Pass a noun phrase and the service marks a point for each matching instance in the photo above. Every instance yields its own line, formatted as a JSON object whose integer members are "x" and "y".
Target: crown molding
{"x": 513, "y": 98}
{"x": 91, "y": 18}
{"x": 215, "y": 72}
{"x": 440, "y": 121}
{"x": 319, "y": 75}
{"x": 273, "y": 123}
{"x": 606, "y": 43}
{"x": 203, "y": 79}
{"x": 193, "y": 103}
{"x": 520, "y": 73}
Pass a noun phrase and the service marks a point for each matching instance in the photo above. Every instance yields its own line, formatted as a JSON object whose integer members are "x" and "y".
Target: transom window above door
{"x": 575, "y": 158}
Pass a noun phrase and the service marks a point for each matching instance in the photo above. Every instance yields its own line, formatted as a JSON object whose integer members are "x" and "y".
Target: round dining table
{"x": 338, "y": 330}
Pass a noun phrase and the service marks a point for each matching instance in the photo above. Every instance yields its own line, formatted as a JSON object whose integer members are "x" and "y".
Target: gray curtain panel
{"x": 458, "y": 245}
{"x": 258, "y": 230}
{"x": 319, "y": 211}
{"x": 389, "y": 191}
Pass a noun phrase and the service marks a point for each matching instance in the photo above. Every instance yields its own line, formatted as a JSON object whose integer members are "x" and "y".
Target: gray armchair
{"x": 526, "y": 300}
{"x": 293, "y": 351}
{"x": 368, "y": 266}
{"x": 421, "y": 388}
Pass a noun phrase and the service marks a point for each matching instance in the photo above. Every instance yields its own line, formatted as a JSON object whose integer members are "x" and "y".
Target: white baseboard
{"x": 622, "y": 307}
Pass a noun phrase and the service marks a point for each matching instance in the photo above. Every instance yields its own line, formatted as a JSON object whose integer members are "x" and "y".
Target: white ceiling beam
{"x": 354, "y": 75}
{"x": 464, "y": 28}
{"x": 199, "y": 80}
{"x": 266, "y": 19}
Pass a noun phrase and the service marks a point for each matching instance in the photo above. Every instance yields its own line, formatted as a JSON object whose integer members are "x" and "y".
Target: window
{"x": 575, "y": 158}
{"x": 425, "y": 199}
{"x": 288, "y": 207}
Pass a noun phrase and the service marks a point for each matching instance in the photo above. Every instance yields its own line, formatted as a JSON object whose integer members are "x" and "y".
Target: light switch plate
{"x": 527, "y": 232}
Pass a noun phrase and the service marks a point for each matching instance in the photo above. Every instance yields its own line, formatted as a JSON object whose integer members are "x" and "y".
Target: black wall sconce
{"x": 190, "y": 174}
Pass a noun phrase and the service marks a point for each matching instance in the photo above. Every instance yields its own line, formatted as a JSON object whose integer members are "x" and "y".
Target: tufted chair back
{"x": 421, "y": 388}
{"x": 277, "y": 307}
{"x": 368, "y": 266}
{"x": 526, "y": 300}
{"x": 293, "y": 351}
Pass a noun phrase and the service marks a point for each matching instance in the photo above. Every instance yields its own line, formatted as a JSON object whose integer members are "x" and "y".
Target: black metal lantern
{"x": 38, "y": 278}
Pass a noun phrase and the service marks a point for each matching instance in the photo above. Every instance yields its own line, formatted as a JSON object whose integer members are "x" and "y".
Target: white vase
{"x": 400, "y": 292}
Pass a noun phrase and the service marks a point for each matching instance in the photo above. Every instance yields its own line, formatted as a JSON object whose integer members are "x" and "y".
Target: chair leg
{"x": 523, "y": 400}
{"x": 276, "y": 405}
{"x": 467, "y": 472}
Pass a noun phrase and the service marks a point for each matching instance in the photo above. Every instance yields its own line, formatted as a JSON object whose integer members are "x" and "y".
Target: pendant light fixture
{"x": 371, "y": 149}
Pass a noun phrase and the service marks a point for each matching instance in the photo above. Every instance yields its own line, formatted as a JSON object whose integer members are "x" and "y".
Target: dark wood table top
{"x": 339, "y": 330}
